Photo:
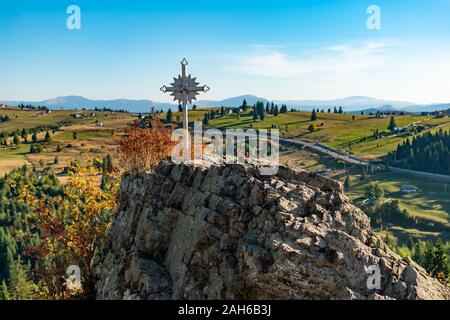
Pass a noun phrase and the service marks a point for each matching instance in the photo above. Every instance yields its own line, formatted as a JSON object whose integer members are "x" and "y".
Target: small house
{"x": 408, "y": 188}
{"x": 380, "y": 115}
{"x": 231, "y": 110}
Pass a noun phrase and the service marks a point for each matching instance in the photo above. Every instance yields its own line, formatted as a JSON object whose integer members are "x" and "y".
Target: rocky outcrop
{"x": 225, "y": 232}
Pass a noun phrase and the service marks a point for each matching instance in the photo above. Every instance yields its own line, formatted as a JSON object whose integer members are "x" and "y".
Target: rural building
{"x": 409, "y": 188}
{"x": 229, "y": 110}
{"x": 380, "y": 115}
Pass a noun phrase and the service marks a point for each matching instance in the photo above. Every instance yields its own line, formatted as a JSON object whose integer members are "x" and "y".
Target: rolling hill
{"x": 350, "y": 104}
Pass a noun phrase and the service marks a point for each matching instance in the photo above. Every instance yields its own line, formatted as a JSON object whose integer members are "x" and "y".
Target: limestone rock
{"x": 225, "y": 232}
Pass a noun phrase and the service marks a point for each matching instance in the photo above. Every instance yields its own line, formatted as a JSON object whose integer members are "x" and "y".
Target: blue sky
{"x": 276, "y": 49}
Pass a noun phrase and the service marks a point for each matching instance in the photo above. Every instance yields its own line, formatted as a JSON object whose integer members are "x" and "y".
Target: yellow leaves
{"x": 82, "y": 219}
{"x": 90, "y": 209}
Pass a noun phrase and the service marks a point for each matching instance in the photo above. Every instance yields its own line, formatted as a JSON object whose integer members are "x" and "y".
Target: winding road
{"x": 336, "y": 154}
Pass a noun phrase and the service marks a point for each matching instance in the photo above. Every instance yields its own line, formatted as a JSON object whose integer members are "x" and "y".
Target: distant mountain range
{"x": 72, "y": 102}
{"x": 349, "y": 104}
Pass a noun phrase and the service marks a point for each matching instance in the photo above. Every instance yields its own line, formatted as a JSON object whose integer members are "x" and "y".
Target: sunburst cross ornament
{"x": 184, "y": 89}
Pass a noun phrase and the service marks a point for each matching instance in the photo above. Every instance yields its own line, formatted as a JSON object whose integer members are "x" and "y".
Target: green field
{"x": 91, "y": 141}
{"x": 33, "y": 118}
{"x": 339, "y": 131}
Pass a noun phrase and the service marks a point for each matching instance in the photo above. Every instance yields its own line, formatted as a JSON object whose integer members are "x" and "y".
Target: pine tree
{"x": 23, "y": 134}
{"x": 275, "y": 111}
{"x": 392, "y": 124}
{"x": 313, "y": 115}
{"x": 374, "y": 192}
{"x": 108, "y": 161}
{"x": 47, "y": 137}
{"x": 169, "y": 116}
{"x": 34, "y": 137}
{"x": 206, "y": 119}
{"x": 4, "y": 293}
{"x": 439, "y": 263}
{"x": 20, "y": 287}
{"x": 347, "y": 183}
{"x": 16, "y": 139}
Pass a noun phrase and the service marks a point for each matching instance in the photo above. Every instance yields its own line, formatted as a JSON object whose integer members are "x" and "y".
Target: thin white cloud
{"x": 410, "y": 69}
{"x": 338, "y": 62}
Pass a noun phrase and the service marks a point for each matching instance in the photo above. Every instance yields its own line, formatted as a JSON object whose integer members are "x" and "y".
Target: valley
{"x": 84, "y": 135}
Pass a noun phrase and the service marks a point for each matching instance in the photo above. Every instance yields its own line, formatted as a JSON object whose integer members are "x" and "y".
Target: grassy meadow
{"x": 339, "y": 131}
{"x": 91, "y": 141}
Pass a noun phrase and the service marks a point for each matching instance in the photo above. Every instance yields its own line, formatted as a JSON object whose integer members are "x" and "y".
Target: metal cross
{"x": 184, "y": 89}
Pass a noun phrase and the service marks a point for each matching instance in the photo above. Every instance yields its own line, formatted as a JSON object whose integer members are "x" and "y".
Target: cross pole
{"x": 184, "y": 89}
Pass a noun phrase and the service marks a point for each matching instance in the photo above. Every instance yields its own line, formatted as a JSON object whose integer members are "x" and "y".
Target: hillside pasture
{"x": 351, "y": 133}
{"x": 91, "y": 140}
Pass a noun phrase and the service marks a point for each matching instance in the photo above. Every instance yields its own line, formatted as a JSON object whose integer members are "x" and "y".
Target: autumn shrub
{"x": 71, "y": 226}
{"x": 141, "y": 149}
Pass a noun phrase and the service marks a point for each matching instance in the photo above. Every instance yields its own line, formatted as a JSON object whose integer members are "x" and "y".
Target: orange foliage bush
{"x": 71, "y": 227}
{"x": 141, "y": 149}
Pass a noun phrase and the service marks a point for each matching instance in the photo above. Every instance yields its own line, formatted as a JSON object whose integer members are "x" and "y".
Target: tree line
{"x": 428, "y": 152}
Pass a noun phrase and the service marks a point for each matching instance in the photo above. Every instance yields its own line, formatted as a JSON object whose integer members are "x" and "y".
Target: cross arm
{"x": 202, "y": 88}
{"x": 170, "y": 89}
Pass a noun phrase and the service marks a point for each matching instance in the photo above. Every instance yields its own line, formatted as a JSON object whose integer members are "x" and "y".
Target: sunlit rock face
{"x": 226, "y": 232}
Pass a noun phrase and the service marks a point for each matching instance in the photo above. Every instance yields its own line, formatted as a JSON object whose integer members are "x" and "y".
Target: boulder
{"x": 226, "y": 232}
